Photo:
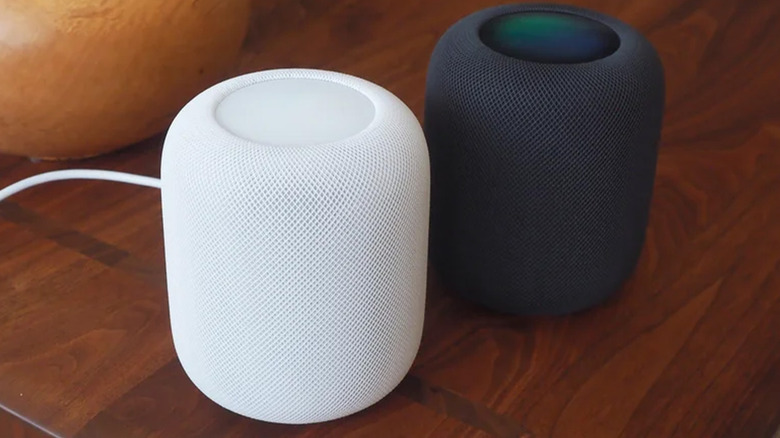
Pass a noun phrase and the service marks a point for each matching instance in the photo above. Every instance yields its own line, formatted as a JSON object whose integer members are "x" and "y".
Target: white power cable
{"x": 61, "y": 175}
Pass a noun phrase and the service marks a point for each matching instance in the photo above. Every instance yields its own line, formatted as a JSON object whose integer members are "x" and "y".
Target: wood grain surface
{"x": 689, "y": 348}
{"x": 83, "y": 77}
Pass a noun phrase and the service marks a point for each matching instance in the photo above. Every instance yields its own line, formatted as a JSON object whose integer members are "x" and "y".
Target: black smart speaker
{"x": 543, "y": 123}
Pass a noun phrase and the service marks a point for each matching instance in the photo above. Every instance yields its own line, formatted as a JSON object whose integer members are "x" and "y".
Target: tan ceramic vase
{"x": 82, "y": 77}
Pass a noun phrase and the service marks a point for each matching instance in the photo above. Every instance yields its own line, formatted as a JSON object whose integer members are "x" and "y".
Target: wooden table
{"x": 689, "y": 348}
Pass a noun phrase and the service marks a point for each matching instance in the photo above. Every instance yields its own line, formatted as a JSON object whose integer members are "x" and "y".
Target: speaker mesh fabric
{"x": 542, "y": 173}
{"x": 296, "y": 274}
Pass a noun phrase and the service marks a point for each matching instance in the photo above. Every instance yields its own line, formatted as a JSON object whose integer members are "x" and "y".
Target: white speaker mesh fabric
{"x": 296, "y": 274}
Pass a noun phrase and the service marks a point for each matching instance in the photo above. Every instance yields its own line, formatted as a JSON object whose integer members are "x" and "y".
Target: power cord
{"x": 62, "y": 175}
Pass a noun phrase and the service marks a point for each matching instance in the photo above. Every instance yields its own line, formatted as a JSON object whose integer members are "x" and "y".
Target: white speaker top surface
{"x": 295, "y": 112}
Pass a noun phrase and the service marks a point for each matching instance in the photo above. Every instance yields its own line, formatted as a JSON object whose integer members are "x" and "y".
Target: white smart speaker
{"x": 295, "y": 213}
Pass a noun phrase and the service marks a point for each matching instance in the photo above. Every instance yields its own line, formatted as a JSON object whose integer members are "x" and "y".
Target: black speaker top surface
{"x": 549, "y": 37}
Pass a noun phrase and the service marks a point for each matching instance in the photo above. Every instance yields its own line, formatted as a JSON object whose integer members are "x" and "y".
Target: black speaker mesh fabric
{"x": 542, "y": 174}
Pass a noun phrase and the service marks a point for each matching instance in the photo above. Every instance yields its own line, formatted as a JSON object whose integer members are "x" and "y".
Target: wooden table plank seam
{"x": 84, "y": 244}
{"x": 456, "y": 406}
